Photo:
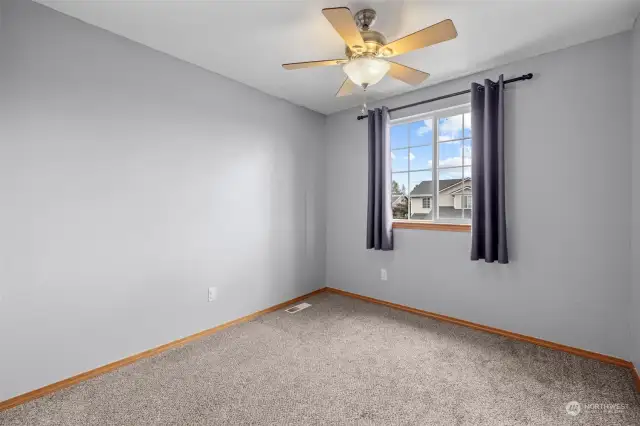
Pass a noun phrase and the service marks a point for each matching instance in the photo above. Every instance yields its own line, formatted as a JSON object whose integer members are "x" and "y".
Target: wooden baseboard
{"x": 580, "y": 352}
{"x": 636, "y": 378}
{"x": 35, "y": 394}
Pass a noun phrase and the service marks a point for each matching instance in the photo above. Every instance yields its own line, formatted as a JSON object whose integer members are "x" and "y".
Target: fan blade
{"x": 442, "y": 31}
{"x": 408, "y": 75}
{"x": 310, "y": 64}
{"x": 342, "y": 20}
{"x": 346, "y": 88}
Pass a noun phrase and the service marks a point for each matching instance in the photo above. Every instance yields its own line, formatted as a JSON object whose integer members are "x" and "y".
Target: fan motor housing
{"x": 373, "y": 40}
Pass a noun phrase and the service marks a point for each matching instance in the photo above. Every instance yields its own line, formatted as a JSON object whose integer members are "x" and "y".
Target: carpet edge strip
{"x": 71, "y": 381}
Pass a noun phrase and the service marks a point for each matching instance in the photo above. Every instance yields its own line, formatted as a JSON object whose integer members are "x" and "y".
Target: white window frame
{"x": 426, "y": 202}
{"x": 435, "y": 116}
{"x": 466, "y": 202}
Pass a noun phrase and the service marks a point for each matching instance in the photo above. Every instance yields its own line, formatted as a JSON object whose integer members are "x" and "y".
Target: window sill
{"x": 407, "y": 224}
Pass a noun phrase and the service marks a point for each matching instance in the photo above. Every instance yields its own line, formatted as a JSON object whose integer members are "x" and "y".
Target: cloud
{"x": 451, "y": 162}
{"x": 467, "y": 152}
{"x": 454, "y": 161}
{"x": 457, "y": 160}
{"x": 423, "y": 130}
{"x": 451, "y": 127}
{"x": 411, "y": 157}
{"x": 450, "y": 174}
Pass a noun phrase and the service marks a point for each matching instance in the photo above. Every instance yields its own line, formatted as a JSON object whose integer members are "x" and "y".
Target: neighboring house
{"x": 396, "y": 200}
{"x": 454, "y": 199}
{"x": 399, "y": 206}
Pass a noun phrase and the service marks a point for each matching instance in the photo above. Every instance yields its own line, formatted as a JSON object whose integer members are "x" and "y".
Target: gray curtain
{"x": 489, "y": 222}
{"x": 379, "y": 216}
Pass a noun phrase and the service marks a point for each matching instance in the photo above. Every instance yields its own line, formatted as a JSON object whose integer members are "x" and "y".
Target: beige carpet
{"x": 344, "y": 361}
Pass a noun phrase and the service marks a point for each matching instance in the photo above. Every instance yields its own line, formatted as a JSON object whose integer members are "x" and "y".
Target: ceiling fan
{"x": 367, "y": 50}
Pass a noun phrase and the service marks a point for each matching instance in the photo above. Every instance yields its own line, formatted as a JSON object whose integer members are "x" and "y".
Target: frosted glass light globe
{"x": 366, "y": 71}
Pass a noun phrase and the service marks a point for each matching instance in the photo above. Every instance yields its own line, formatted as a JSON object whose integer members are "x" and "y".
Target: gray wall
{"x": 635, "y": 118}
{"x": 568, "y": 201}
{"x": 130, "y": 182}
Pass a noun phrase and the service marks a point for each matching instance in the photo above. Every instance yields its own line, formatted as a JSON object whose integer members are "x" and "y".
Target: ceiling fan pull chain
{"x": 364, "y": 104}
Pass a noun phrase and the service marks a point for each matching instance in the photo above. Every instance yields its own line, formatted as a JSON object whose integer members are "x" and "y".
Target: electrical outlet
{"x": 213, "y": 294}
{"x": 383, "y": 274}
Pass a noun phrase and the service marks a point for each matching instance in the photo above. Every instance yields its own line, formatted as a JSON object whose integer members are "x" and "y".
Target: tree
{"x": 396, "y": 189}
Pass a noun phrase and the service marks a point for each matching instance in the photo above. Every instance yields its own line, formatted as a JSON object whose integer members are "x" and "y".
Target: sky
{"x": 412, "y": 150}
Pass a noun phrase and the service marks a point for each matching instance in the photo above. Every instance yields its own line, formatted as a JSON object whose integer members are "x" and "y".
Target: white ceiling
{"x": 249, "y": 40}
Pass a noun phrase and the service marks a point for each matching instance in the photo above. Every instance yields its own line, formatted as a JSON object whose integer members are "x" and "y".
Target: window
{"x": 431, "y": 167}
{"x": 466, "y": 202}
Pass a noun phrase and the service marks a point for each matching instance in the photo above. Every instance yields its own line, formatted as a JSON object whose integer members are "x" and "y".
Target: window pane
{"x": 467, "y": 174}
{"x": 450, "y": 154}
{"x": 399, "y": 160}
{"x": 399, "y": 183}
{"x": 467, "y": 125}
{"x": 421, "y": 132}
{"x": 467, "y": 152}
{"x": 421, "y": 157}
{"x": 420, "y": 183}
{"x": 399, "y": 136}
{"x": 450, "y": 199}
{"x": 467, "y": 193}
{"x": 421, "y": 208}
{"x": 399, "y": 200}
{"x": 450, "y": 128}
{"x": 454, "y": 173}
{"x": 421, "y": 195}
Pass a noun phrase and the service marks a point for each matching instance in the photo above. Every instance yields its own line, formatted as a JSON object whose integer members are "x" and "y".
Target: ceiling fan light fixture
{"x": 367, "y": 49}
{"x": 366, "y": 71}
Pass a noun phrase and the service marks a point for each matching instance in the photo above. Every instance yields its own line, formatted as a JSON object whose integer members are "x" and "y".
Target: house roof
{"x": 395, "y": 198}
{"x": 464, "y": 188}
{"x": 426, "y": 186}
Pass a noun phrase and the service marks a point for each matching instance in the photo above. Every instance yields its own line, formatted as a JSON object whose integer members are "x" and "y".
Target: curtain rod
{"x": 451, "y": 95}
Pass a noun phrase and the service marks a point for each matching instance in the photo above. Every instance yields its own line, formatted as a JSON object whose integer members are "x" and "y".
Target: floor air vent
{"x": 297, "y": 308}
